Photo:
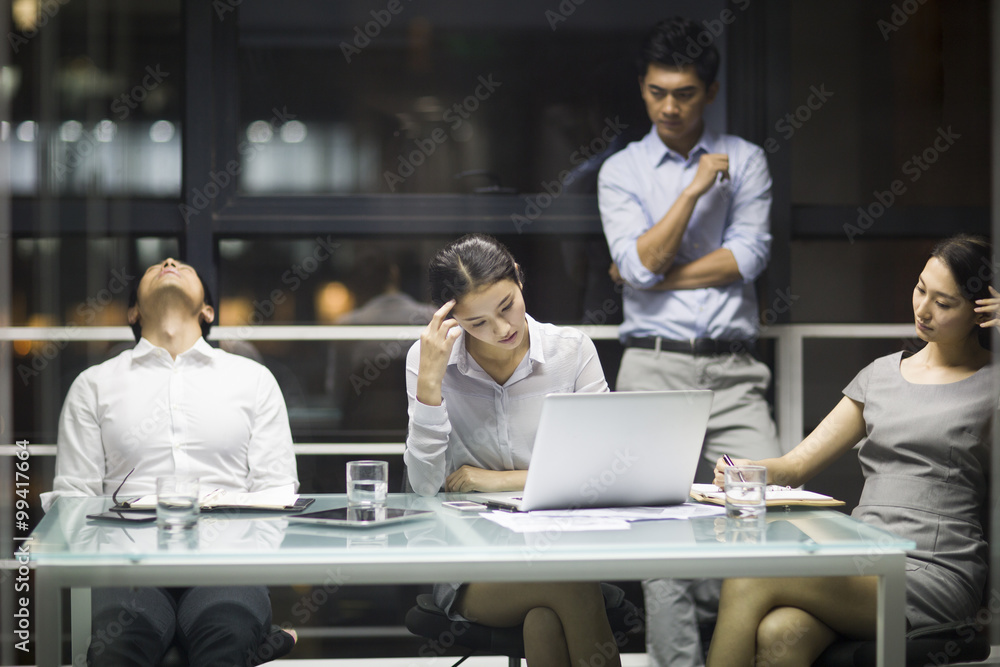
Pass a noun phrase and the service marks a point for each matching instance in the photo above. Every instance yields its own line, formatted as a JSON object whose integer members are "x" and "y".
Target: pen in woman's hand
{"x": 729, "y": 462}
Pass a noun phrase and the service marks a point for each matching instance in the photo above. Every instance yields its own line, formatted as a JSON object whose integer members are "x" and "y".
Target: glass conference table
{"x": 71, "y": 552}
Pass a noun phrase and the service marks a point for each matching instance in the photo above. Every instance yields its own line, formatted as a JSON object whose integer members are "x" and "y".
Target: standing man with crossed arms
{"x": 686, "y": 215}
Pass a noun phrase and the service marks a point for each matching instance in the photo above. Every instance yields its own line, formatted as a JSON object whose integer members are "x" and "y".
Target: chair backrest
{"x": 947, "y": 644}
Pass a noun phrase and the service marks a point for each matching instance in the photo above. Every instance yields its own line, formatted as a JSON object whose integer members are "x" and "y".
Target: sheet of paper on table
{"x": 611, "y": 518}
{"x": 683, "y": 511}
{"x": 528, "y": 522}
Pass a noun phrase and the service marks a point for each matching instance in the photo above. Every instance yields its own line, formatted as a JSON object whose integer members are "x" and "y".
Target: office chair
{"x": 945, "y": 644}
{"x": 426, "y": 619}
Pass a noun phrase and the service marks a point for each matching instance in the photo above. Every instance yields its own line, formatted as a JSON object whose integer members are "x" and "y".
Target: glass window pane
{"x": 72, "y": 282}
{"x": 76, "y": 281}
{"x": 318, "y": 280}
{"x": 355, "y": 391}
{"x": 906, "y": 99}
{"x": 841, "y": 282}
{"x": 95, "y": 92}
{"x": 348, "y": 98}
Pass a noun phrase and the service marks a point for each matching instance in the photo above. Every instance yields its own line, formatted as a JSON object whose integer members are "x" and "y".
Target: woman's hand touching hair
{"x": 990, "y": 306}
{"x": 436, "y": 343}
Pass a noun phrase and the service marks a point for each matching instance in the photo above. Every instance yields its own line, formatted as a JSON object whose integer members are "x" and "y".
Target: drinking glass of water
{"x": 745, "y": 487}
{"x": 177, "y": 503}
{"x": 367, "y": 482}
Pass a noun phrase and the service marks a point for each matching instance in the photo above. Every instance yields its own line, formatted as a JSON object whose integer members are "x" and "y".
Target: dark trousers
{"x": 214, "y": 626}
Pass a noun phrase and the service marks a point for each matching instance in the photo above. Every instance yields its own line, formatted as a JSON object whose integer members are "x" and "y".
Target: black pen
{"x": 490, "y": 505}
{"x": 729, "y": 462}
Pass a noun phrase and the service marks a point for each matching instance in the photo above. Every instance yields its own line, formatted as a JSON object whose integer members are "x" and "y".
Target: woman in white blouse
{"x": 476, "y": 381}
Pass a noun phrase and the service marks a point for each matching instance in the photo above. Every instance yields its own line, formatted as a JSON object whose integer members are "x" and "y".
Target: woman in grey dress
{"x": 924, "y": 424}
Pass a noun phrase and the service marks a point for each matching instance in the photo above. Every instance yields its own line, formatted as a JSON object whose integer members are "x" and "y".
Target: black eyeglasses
{"x": 114, "y": 496}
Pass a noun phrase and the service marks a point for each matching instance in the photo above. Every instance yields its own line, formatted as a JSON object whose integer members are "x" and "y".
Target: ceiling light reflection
{"x": 161, "y": 131}
{"x": 105, "y": 130}
{"x": 27, "y": 131}
{"x": 71, "y": 131}
{"x": 293, "y": 132}
{"x": 259, "y": 132}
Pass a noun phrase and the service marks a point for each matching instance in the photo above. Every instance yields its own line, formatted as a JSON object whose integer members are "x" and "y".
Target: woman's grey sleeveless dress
{"x": 926, "y": 463}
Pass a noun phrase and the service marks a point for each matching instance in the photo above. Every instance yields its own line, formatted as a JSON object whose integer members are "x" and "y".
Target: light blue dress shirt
{"x": 636, "y": 188}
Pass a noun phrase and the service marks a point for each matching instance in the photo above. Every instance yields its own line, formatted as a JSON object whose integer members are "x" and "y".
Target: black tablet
{"x": 360, "y": 516}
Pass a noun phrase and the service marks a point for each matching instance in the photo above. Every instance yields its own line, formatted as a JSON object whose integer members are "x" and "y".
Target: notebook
{"x": 616, "y": 449}
{"x": 774, "y": 496}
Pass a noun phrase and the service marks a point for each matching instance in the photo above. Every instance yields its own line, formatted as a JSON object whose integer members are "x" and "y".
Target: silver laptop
{"x": 614, "y": 449}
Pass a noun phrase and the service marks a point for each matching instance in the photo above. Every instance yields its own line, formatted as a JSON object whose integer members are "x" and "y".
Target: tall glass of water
{"x": 177, "y": 503}
{"x": 367, "y": 482}
{"x": 745, "y": 487}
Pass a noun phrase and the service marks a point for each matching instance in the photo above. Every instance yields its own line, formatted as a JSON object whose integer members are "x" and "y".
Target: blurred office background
{"x": 309, "y": 156}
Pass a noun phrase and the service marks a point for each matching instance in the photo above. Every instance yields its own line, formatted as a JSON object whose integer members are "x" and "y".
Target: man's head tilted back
{"x": 175, "y": 285}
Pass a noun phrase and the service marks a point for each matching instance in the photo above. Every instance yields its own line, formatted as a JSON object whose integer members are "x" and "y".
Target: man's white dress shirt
{"x": 207, "y": 413}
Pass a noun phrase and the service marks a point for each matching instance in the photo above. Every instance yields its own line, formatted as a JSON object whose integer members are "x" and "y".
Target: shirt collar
{"x": 658, "y": 152}
{"x": 201, "y": 348}
{"x": 460, "y": 356}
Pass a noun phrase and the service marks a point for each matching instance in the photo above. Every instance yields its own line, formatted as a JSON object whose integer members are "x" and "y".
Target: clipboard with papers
{"x": 775, "y": 496}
